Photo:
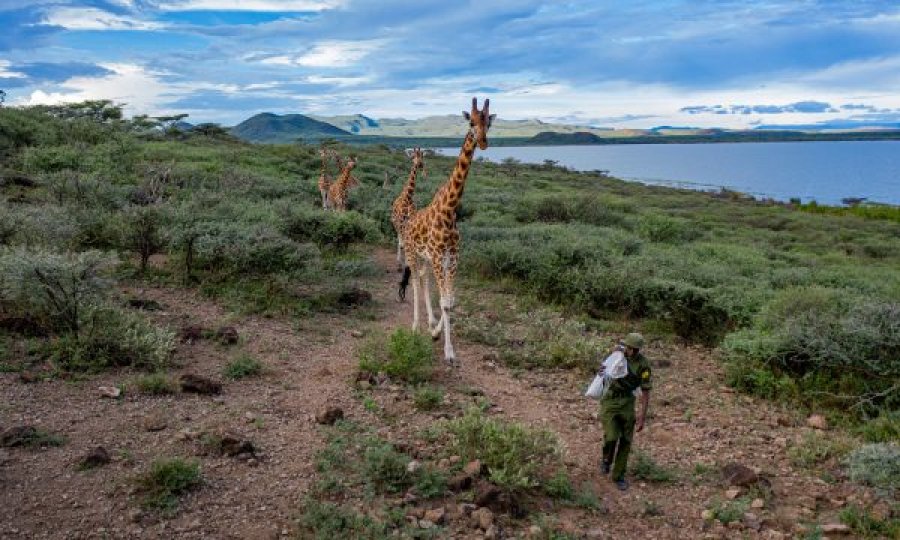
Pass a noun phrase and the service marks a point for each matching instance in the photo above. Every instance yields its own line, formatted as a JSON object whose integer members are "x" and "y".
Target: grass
{"x": 866, "y": 525}
{"x": 428, "y": 398}
{"x": 166, "y": 481}
{"x": 403, "y": 355}
{"x": 815, "y": 449}
{"x": 643, "y": 467}
{"x": 156, "y": 384}
{"x": 243, "y": 366}
{"x": 728, "y": 511}
{"x": 37, "y": 438}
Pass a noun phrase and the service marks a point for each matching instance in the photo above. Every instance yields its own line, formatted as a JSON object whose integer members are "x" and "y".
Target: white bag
{"x": 614, "y": 367}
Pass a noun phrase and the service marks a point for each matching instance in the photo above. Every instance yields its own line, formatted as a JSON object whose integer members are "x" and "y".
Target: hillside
{"x": 273, "y": 128}
{"x": 190, "y": 347}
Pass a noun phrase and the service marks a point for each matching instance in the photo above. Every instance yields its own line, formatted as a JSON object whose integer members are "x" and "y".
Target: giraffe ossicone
{"x": 431, "y": 236}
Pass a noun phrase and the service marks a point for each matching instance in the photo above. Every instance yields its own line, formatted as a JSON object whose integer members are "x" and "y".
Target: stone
{"x": 435, "y": 515}
{"x": 155, "y": 422}
{"x": 95, "y": 458}
{"x": 135, "y": 515}
{"x": 534, "y": 531}
{"x": 817, "y": 421}
{"x": 466, "y": 509}
{"x": 486, "y": 494}
{"x": 357, "y": 333}
{"x": 426, "y": 524}
{"x": 227, "y": 335}
{"x": 111, "y": 392}
{"x": 27, "y": 377}
{"x": 491, "y": 533}
{"x": 473, "y": 468}
{"x": 18, "y": 436}
{"x": 191, "y": 333}
{"x": 835, "y": 528}
{"x": 757, "y": 504}
{"x": 199, "y": 385}
{"x": 482, "y": 518}
{"x": 354, "y": 297}
{"x": 707, "y": 515}
{"x": 330, "y": 415}
{"x": 459, "y": 482}
{"x": 732, "y": 493}
{"x": 232, "y": 445}
{"x": 454, "y": 460}
{"x": 738, "y": 475}
{"x": 144, "y": 304}
{"x": 596, "y": 532}
{"x": 413, "y": 466}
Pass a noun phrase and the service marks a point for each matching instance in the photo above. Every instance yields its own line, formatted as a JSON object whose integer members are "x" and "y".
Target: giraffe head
{"x": 418, "y": 159}
{"x": 348, "y": 166}
{"x": 480, "y": 121}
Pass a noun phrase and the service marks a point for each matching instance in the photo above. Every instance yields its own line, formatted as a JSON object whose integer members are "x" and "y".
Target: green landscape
{"x": 134, "y": 253}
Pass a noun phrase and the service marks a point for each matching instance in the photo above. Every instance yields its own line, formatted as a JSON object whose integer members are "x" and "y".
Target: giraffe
{"x": 403, "y": 206}
{"x": 431, "y": 235}
{"x": 324, "y": 178}
{"x": 337, "y": 192}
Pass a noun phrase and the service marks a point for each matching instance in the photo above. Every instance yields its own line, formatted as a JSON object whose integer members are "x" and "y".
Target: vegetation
{"x": 242, "y": 366}
{"x": 877, "y": 465}
{"x": 864, "y": 524}
{"x": 643, "y": 467}
{"x": 155, "y": 384}
{"x": 404, "y": 355}
{"x": 166, "y": 481}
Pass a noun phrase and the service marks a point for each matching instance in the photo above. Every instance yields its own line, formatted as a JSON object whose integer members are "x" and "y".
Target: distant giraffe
{"x": 324, "y": 178}
{"x": 431, "y": 235}
{"x": 337, "y": 192}
{"x": 404, "y": 207}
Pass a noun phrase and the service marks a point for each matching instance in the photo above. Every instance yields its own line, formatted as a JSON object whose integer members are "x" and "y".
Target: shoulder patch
{"x": 645, "y": 374}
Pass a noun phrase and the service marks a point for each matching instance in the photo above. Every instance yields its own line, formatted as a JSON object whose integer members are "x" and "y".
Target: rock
{"x": 144, "y": 304}
{"x": 354, "y": 297}
{"x": 482, "y": 518}
{"x": 155, "y": 422}
{"x": 187, "y": 434}
{"x": 418, "y": 513}
{"x": 817, "y": 421}
{"x": 27, "y": 377}
{"x": 460, "y": 482}
{"x": 751, "y": 521}
{"x": 357, "y": 333}
{"x": 596, "y": 532}
{"x": 232, "y": 444}
{"x": 454, "y": 460}
{"x": 227, "y": 335}
{"x": 739, "y": 475}
{"x": 707, "y": 515}
{"x": 95, "y": 458}
{"x": 435, "y": 515}
{"x": 111, "y": 392}
{"x": 199, "y": 385}
{"x": 426, "y": 524}
{"x": 486, "y": 494}
{"x": 473, "y": 468}
{"x": 135, "y": 515}
{"x": 330, "y": 416}
{"x": 732, "y": 493}
{"x": 191, "y": 333}
{"x": 414, "y": 466}
{"x": 835, "y": 528}
{"x": 534, "y": 531}
{"x": 757, "y": 504}
{"x": 491, "y": 533}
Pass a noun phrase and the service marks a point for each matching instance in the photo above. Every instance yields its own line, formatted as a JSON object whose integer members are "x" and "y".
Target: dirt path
{"x": 694, "y": 421}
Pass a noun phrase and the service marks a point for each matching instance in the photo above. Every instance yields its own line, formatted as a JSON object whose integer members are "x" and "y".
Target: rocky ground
{"x": 256, "y": 487}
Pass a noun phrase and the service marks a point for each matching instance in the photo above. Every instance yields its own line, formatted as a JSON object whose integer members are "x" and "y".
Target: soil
{"x": 311, "y": 367}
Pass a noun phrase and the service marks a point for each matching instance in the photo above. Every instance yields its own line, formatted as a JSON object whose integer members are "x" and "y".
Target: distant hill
{"x": 273, "y": 128}
{"x": 453, "y": 125}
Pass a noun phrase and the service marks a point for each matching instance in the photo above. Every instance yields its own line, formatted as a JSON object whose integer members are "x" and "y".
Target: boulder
{"x": 486, "y": 494}
{"x": 95, "y": 458}
{"x": 738, "y": 475}
{"x": 817, "y": 421}
{"x": 227, "y": 335}
{"x": 18, "y": 436}
{"x": 330, "y": 415}
{"x": 191, "y": 333}
{"x": 199, "y": 385}
{"x": 435, "y": 515}
{"x": 232, "y": 444}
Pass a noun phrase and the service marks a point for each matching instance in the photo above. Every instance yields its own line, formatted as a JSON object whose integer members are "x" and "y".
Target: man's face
{"x": 630, "y": 351}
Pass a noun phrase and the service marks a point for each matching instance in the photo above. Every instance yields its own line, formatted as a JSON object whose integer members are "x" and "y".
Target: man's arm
{"x": 645, "y": 401}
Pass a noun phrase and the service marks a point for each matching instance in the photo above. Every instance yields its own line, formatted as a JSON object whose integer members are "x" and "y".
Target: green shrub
{"x": 877, "y": 465}
{"x": 883, "y": 428}
{"x": 661, "y": 228}
{"x": 863, "y": 523}
{"x": 241, "y": 249}
{"x": 327, "y": 521}
{"x": 243, "y": 366}
{"x": 405, "y": 355}
{"x": 337, "y": 230}
{"x": 428, "y": 398}
{"x": 166, "y": 481}
{"x": 729, "y": 511}
{"x": 155, "y": 384}
{"x": 559, "y": 486}
{"x": 430, "y": 483}
{"x": 384, "y": 468}
{"x": 36, "y": 438}
{"x": 515, "y": 455}
{"x": 644, "y": 468}
{"x": 816, "y": 448}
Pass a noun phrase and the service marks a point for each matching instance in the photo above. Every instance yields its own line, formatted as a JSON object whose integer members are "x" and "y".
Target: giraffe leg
{"x": 447, "y": 271}
{"x": 433, "y": 323}
{"x": 400, "y": 252}
{"x": 415, "y": 284}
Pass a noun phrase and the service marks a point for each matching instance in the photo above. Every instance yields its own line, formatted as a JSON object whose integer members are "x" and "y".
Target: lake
{"x": 825, "y": 171}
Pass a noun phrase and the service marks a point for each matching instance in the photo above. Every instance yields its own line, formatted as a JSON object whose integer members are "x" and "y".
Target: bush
{"x": 156, "y": 384}
{"x": 883, "y": 428}
{"x": 661, "y": 228}
{"x": 385, "y": 468}
{"x": 428, "y": 398}
{"x": 863, "y": 523}
{"x": 143, "y": 234}
{"x": 327, "y": 521}
{"x": 644, "y": 468}
{"x": 877, "y": 465}
{"x": 166, "y": 481}
{"x": 405, "y": 355}
{"x": 337, "y": 230}
{"x": 559, "y": 486}
{"x": 239, "y": 249}
{"x": 815, "y": 449}
{"x": 516, "y": 455}
{"x": 243, "y": 366}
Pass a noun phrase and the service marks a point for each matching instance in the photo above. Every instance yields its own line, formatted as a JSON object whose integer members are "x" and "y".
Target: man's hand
{"x": 640, "y": 424}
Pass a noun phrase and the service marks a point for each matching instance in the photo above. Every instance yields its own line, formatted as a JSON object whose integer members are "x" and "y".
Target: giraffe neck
{"x": 449, "y": 196}
{"x": 410, "y": 186}
{"x": 345, "y": 176}
{"x": 323, "y": 165}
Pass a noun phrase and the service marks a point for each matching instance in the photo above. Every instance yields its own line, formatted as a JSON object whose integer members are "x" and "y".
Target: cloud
{"x": 81, "y": 18}
{"x": 803, "y": 107}
{"x": 328, "y": 54}
{"x": 249, "y": 5}
{"x": 6, "y": 73}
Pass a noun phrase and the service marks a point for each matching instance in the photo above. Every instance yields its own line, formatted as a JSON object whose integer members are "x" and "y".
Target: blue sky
{"x": 721, "y": 63}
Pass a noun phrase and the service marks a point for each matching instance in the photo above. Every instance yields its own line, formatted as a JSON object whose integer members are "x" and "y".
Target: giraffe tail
{"x": 404, "y": 283}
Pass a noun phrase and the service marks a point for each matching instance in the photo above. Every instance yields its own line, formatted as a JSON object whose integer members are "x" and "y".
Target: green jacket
{"x": 639, "y": 376}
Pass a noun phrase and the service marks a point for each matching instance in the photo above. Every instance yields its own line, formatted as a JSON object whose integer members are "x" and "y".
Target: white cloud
{"x": 338, "y": 81}
{"x": 249, "y": 5}
{"x": 6, "y": 74}
{"x": 85, "y": 18}
{"x": 325, "y": 54}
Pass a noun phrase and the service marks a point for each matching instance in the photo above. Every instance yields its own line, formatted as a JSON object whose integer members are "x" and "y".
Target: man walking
{"x": 618, "y": 410}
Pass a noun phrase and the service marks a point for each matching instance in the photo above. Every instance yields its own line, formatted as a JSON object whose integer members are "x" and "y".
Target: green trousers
{"x": 617, "y": 417}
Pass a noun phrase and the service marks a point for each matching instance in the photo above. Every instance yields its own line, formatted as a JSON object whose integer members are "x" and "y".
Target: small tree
{"x": 511, "y": 166}
{"x": 143, "y": 237}
{"x": 2, "y": 97}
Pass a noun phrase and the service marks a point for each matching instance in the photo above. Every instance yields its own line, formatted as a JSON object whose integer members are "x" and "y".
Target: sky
{"x": 634, "y": 64}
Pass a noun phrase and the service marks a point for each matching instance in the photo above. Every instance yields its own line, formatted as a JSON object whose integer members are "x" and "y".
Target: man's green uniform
{"x": 618, "y": 413}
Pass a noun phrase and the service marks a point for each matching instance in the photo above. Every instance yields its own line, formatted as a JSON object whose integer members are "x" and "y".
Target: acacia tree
{"x": 2, "y": 97}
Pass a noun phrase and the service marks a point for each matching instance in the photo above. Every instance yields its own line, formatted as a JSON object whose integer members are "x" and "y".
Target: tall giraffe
{"x": 404, "y": 207}
{"x": 324, "y": 178}
{"x": 337, "y": 192}
{"x": 431, "y": 235}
